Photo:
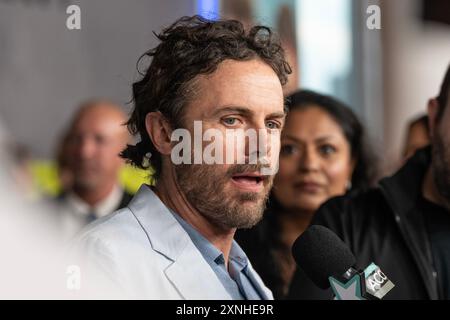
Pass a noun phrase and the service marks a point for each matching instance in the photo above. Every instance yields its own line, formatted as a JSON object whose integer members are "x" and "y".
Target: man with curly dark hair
{"x": 175, "y": 240}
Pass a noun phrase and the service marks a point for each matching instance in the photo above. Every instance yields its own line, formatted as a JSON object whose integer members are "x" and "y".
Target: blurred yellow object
{"x": 132, "y": 178}
{"x": 46, "y": 179}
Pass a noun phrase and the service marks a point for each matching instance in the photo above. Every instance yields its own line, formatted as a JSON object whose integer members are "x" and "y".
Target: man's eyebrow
{"x": 277, "y": 115}
{"x": 235, "y": 109}
{"x": 247, "y": 112}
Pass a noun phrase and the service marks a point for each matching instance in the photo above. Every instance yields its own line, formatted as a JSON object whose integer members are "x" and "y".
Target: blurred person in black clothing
{"x": 323, "y": 154}
{"x": 403, "y": 225}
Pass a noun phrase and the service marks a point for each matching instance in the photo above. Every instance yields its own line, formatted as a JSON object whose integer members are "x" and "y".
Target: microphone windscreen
{"x": 321, "y": 254}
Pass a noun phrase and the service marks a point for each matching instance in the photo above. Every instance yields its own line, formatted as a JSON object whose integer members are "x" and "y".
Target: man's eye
{"x": 100, "y": 140}
{"x": 230, "y": 121}
{"x": 273, "y": 125}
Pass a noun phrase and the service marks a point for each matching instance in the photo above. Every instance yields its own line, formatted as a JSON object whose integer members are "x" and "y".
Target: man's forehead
{"x": 258, "y": 90}
{"x": 253, "y": 72}
{"x": 244, "y": 105}
{"x": 103, "y": 125}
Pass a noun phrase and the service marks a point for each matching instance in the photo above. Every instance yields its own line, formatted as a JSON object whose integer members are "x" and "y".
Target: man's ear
{"x": 159, "y": 131}
{"x": 433, "y": 108}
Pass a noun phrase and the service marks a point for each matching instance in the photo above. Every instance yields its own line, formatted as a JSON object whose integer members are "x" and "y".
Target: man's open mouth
{"x": 248, "y": 180}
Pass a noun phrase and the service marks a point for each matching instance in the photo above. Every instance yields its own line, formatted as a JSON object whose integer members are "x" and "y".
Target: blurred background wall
{"x": 46, "y": 70}
{"x": 385, "y": 75}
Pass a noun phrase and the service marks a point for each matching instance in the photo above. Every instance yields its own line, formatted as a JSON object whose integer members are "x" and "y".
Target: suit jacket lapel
{"x": 265, "y": 293}
{"x": 193, "y": 277}
{"x": 189, "y": 273}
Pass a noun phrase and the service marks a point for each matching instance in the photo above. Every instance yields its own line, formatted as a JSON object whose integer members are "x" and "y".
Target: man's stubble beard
{"x": 204, "y": 190}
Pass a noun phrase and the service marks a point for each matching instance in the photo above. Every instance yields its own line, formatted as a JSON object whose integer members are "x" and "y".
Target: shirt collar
{"x": 238, "y": 255}
{"x": 102, "y": 208}
{"x": 208, "y": 250}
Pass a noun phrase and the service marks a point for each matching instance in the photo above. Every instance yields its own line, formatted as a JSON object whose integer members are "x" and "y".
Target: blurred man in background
{"x": 95, "y": 138}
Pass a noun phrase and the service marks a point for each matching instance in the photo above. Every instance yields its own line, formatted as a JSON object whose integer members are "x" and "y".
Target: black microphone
{"x": 327, "y": 261}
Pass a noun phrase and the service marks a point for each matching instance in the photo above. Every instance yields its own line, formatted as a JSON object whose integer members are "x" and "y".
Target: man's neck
{"x": 94, "y": 196}
{"x": 431, "y": 192}
{"x": 170, "y": 194}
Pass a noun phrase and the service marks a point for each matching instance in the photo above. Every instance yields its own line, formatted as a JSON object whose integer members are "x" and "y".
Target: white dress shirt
{"x": 74, "y": 211}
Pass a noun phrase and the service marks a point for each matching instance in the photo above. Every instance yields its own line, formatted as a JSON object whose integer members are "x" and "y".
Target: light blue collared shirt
{"x": 236, "y": 281}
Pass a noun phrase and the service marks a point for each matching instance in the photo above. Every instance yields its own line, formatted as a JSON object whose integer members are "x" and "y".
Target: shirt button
{"x": 434, "y": 274}
{"x": 397, "y": 218}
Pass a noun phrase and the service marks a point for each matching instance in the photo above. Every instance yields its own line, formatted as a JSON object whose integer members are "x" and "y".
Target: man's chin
{"x": 84, "y": 185}
{"x": 251, "y": 208}
{"x": 250, "y": 223}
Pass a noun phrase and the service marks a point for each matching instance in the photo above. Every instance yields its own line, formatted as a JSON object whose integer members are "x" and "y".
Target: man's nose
{"x": 86, "y": 148}
{"x": 259, "y": 145}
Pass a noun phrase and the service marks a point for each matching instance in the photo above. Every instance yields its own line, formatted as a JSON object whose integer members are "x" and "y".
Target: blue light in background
{"x": 208, "y": 9}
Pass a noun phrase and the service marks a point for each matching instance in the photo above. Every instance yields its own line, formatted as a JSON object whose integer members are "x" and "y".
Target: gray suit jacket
{"x": 142, "y": 251}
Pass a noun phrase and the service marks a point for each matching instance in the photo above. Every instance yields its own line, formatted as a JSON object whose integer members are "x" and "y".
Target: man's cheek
{"x": 271, "y": 155}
